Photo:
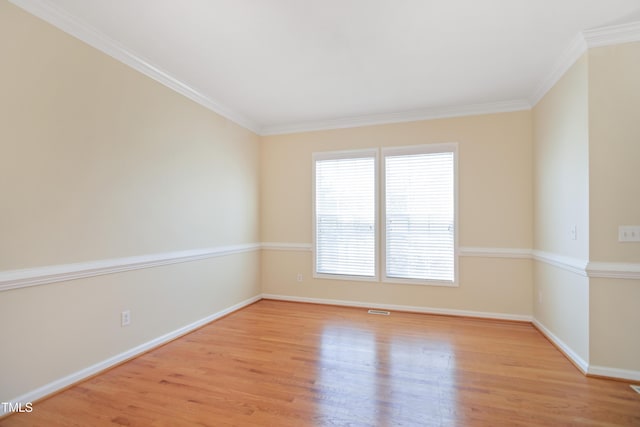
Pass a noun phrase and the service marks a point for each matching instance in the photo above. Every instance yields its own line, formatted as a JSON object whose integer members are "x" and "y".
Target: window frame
{"x": 348, "y": 154}
{"x": 380, "y": 251}
{"x": 451, "y": 147}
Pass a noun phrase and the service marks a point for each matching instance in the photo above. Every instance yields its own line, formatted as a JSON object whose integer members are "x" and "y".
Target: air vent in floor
{"x": 381, "y": 312}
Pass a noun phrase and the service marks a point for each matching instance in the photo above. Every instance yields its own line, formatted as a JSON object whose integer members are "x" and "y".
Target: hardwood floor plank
{"x": 289, "y": 364}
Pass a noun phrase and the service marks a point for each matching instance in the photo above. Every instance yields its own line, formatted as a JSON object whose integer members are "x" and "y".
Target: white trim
{"x": 604, "y": 371}
{"x": 613, "y": 34}
{"x": 464, "y": 251}
{"x": 574, "y": 265}
{"x": 280, "y": 246}
{"x": 408, "y": 308}
{"x": 399, "y": 117}
{"x": 15, "y": 279}
{"x": 583, "y": 366}
{"x": 567, "y": 58}
{"x": 49, "y": 12}
{"x": 373, "y": 153}
{"x": 614, "y": 270}
{"x": 446, "y": 147}
{"x": 89, "y": 371}
{"x": 517, "y": 253}
{"x": 580, "y": 363}
{"x": 596, "y": 37}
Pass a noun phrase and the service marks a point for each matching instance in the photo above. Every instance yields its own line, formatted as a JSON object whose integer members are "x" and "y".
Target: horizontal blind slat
{"x": 345, "y": 216}
{"x": 419, "y": 190}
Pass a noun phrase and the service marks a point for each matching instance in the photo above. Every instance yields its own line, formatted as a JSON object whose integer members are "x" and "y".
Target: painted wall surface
{"x": 614, "y": 144}
{"x": 494, "y": 201}
{"x": 614, "y": 93}
{"x": 561, "y": 165}
{"x": 562, "y": 307}
{"x": 614, "y": 321}
{"x": 561, "y": 200}
{"x": 98, "y": 162}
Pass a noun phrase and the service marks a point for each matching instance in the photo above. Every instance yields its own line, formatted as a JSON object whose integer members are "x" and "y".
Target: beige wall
{"x": 614, "y": 324}
{"x": 495, "y": 211}
{"x": 614, "y": 145}
{"x": 99, "y": 162}
{"x": 561, "y": 165}
{"x": 614, "y": 174}
{"x": 561, "y": 200}
{"x": 586, "y": 151}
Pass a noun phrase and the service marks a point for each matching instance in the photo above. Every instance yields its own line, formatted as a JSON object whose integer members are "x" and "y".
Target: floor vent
{"x": 636, "y": 388}
{"x": 381, "y": 312}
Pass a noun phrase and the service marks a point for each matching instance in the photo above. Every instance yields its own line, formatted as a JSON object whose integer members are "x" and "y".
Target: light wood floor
{"x": 289, "y": 364}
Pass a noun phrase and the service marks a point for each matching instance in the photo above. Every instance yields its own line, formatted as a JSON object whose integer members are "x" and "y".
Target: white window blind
{"x": 345, "y": 215}
{"x": 420, "y": 216}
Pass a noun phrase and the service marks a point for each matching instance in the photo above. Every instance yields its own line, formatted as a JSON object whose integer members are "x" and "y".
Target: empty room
{"x": 319, "y": 213}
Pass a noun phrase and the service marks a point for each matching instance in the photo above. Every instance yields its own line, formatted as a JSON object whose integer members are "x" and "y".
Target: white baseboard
{"x": 580, "y": 363}
{"x": 409, "y": 308}
{"x": 82, "y": 374}
{"x": 604, "y": 371}
{"x": 87, "y": 372}
{"x": 584, "y": 366}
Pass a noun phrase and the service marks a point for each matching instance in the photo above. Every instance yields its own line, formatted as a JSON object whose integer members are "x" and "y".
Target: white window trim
{"x": 348, "y": 154}
{"x": 380, "y": 217}
{"x": 451, "y": 147}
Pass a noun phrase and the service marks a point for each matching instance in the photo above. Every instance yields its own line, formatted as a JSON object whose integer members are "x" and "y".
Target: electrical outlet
{"x": 299, "y": 277}
{"x": 629, "y": 233}
{"x": 125, "y": 318}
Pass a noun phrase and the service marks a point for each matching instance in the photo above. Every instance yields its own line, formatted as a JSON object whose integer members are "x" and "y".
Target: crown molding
{"x": 587, "y": 39}
{"x": 567, "y": 58}
{"x": 48, "y": 12}
{"x": 613, "y": 34}
{"x": 400, "y": 117}
{"x": 603, "y": 36}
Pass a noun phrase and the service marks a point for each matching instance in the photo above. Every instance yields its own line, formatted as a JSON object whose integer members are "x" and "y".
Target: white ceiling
{"x": 284, "y": 65}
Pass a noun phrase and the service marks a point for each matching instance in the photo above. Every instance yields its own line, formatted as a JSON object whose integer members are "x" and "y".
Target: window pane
{"x": 345, "y": 216}
{"x": 420, "y": 216}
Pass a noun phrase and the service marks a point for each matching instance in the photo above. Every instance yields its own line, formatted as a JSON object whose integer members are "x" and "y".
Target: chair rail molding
{"x": 14, "y": 279}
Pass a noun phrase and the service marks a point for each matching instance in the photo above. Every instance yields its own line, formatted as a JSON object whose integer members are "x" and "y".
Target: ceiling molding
{"x": 614, "y": 34}
{"x": 596, "y": 37}
{"x": 48, "y": 12}
{"x": 569, "y": 56}
{"x": 603, "y": 36}
{"x": 401, "y": 117}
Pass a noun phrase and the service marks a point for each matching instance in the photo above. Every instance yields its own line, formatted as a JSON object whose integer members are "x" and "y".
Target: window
{"x": 419, "y": 208}
{"x": 418, "y": 227}
{"x": 345, "y": 214}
